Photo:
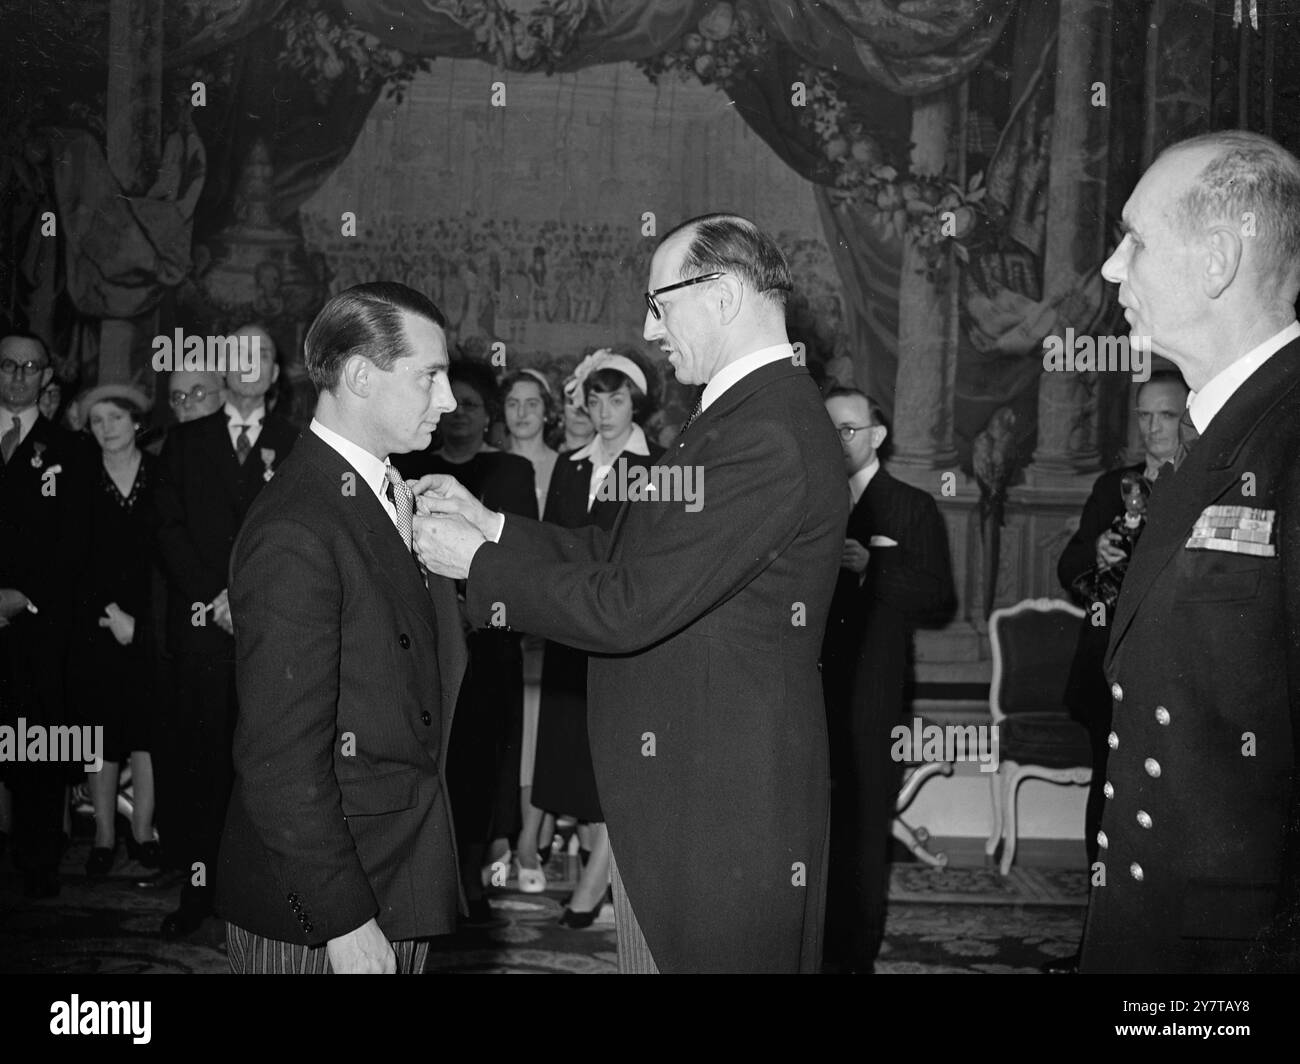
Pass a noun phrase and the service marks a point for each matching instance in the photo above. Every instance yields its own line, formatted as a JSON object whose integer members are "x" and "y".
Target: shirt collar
{"x": 374, "y": 471}
{"x": 859, "y": 481}
{"x": 236, "y": 418}
{"x": 742, "y": 367}
{"x": 636, "y": 444}
{"x": 1204, "y": 404}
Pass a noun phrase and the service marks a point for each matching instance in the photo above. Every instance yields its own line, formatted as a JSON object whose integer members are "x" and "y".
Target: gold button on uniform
{"x": 1135, "y": 870}
{"x": 1102, "y": 841}
{"x": 1162, "y": 715}
{"x": 1108, "y": 790}
{"x": 1152, "y": 766}
{"x": 1144, "y": 818}
{"x": 1112, "y": 740}
{"x": 1117, "y": 692}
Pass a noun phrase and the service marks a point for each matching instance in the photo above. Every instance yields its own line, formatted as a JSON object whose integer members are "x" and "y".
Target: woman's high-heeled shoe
{"x": 147, "y": 854}
{"x": 100, "y": 861}
{"x": 578, "y": 921}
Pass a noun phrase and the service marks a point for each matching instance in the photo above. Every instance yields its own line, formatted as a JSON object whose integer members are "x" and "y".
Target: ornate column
{"x": 1076, "y": 230}
{"x": 133, "y": 125}
{"x": 928, "y": 317}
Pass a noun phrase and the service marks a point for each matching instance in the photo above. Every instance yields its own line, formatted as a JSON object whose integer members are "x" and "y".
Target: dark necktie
{"x": 9, "y": 441}
{"x": 1187, "y": 437}
{"x": 242, "y": 443}
{"x": 695, "y": 412}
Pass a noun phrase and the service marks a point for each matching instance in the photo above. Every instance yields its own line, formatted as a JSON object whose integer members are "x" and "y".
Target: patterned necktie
{"x": 399, "y": 492}
{"x": 243, "y": 445}
{"x": 1187, "y": 437}
{"x": 9, "y": 441}
{"x": 695, "y": 412}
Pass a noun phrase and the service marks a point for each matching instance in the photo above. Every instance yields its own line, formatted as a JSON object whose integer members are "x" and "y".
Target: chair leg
{"x": 995, "y": 833}
{"x": 1009, "y": 812}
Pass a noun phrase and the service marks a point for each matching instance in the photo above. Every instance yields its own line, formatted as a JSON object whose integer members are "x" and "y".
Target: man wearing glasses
{"x": 194, "y": 394}
{"x": 42, "y": 548}
{"x": 705, "y": 712}
{"x": 895, "y": 572}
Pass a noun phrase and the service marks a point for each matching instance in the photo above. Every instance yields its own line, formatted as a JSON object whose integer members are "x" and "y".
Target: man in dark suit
{"x": 894, "y": 574}
{"x": 338, "y": 852}
{"x": 211, "y": 470}
{"x": 1198, "y": 839}
{"x": 44, "y": 473}
{"x": 706, "y": 723}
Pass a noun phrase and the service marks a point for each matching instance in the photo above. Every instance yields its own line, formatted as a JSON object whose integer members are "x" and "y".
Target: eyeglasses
{"x": 847, "y": 432}
{"x": 195, "y": 395}
{"x": 652, "y": 302}
{"x": 10, "y": 368}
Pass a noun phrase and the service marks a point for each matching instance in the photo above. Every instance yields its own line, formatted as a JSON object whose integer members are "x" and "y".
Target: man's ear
{"x": 356, "y": 375}
{"x": 878, "y": 434}
{"x": 728, "y": 295}
{"x": 1224, "y": 254}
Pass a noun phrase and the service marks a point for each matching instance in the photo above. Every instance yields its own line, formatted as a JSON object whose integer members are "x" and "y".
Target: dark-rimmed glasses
{"x": 10, "y": 368}
{"x": 195, "y": 395}
{"x": 847, "y": 432}
{"x": 652, "y": 302}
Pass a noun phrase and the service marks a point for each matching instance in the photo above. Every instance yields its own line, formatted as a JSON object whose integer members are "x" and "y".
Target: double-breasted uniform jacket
{"x": 1200, "y": 825}
{"x": 348, "y": 670}
{"x": 708, "y": 732}
{"x": 202, "y": 496}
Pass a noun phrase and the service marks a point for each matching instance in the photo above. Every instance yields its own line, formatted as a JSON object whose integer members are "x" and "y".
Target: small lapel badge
{"x": 38, "y": 450}
{"x": 1234, "y": 530}
{"x": 268, "y": 460}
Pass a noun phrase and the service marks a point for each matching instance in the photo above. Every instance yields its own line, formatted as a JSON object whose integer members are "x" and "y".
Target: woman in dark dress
{"x": 114, "y": 667}
{"x": 616, "y": 393}
{"x": 487, "y": 732}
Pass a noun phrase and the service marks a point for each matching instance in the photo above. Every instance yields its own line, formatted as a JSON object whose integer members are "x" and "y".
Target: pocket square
{"x": 1235, "y": 530}
{"x": 882, "y": 541}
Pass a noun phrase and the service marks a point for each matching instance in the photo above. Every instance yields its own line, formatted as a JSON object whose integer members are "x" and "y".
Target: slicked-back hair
{"x": 1250, "y": 178}
{"x": 873, "y": 407}
{"x": 365, "y": 320}
{"x": 482, "y": 379}
{"x": 1162, "y": 376}
{"x": 18, "y": 334}
{"x": 729, "y": 243}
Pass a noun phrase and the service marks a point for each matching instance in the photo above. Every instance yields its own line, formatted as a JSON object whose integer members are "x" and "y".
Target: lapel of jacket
{"x": 1207, "y": 473}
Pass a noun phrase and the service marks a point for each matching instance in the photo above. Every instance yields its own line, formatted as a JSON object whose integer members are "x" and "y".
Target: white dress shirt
{"x": 602, "y": 464}
{"x": 859, "y": 481}
{"x": 369, "y": 468}
{"x": 26, "y": 420}
{"x": 742, "y": 367}
{"x": 1211, "y": 399}
{"x": 253, "y": 421}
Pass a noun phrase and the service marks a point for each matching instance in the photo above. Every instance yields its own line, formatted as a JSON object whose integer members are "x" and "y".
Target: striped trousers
{"x": 633, "y": 954}
{"x": 251, "y": 954}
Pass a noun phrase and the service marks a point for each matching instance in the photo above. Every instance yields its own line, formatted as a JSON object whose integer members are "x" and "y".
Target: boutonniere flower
{"x": 268, "y": 460}
{"x": 39, "y": 448}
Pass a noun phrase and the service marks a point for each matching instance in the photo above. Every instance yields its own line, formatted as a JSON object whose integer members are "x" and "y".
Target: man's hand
{"x": 120, "y": 623}
{"x": 221, "y": 612}
{"x": 1107, "y": 553}
{"x": 364, "y": 951}
{"x": 12, "y": 603}
{"x": 440, "y": 493}
{"x": 855, "y": 557}
{"x": 446, "y": 544}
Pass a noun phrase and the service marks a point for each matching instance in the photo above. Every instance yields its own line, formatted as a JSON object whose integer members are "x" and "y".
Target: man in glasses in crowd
{"x": 895, "y": 573}
{"x": 706, "y": 721}
{"x": 43, "y": 499}
{"x": 194, "y": 394}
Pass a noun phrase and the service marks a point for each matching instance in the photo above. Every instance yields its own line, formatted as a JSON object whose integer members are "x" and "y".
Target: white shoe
{"x": 531, "y": 880}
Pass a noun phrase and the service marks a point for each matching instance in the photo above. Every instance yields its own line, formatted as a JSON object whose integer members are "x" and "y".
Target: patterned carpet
{"x": 951, "y": 920}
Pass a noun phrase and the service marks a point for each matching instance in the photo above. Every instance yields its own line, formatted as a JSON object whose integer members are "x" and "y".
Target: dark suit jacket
{"x": 1086, "y": 692}
{"x": 708, "y": 732}
{"x": 1204, "y": 662}
{"x": 348, "y": 671}
{"x": 867, "y": 649}
{"x": 202, "y": 497}
{"x": 44, "y": 550}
